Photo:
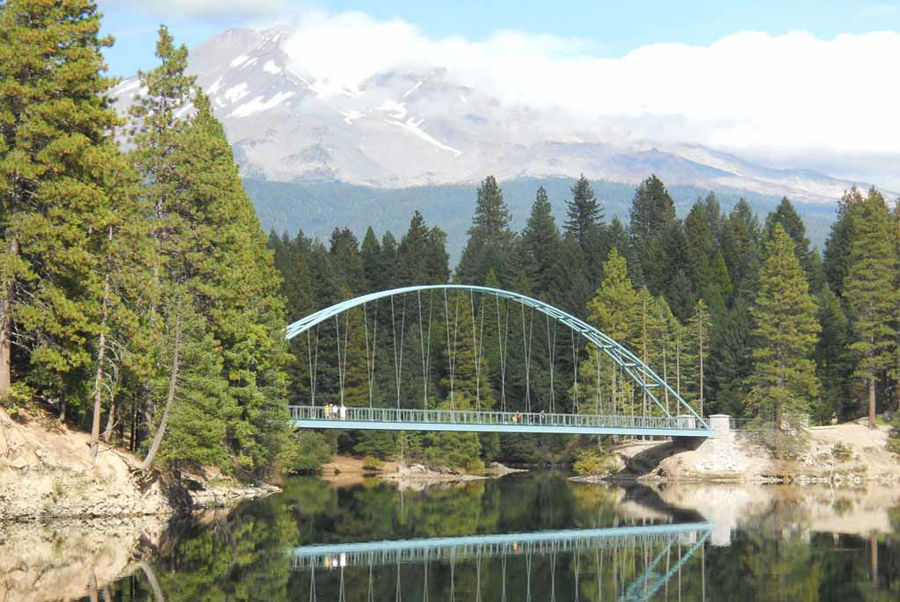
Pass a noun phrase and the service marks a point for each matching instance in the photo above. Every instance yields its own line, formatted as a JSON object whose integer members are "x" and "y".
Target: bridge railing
{"x": 349, "y": 414}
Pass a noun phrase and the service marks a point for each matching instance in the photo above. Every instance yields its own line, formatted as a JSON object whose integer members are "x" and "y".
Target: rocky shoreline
{"x": 46, "y": 472}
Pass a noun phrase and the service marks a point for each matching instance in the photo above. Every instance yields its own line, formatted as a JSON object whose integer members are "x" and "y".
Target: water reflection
{"x": 466, "y": 543}
{"x": 626, "y": 563}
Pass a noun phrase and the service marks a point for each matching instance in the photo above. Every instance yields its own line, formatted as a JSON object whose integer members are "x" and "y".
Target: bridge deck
{"x": 401, "y": 419}
{"x": 459, "y": 548}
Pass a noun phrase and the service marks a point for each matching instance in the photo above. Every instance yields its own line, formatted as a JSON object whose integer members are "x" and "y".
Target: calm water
{"x": 531, "y": 536}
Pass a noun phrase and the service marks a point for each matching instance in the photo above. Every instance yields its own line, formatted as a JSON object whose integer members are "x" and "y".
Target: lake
{"x": 528, "y": 536}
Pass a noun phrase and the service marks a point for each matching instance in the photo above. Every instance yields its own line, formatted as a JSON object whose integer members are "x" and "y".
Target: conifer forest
{"x": 141, "y": 301}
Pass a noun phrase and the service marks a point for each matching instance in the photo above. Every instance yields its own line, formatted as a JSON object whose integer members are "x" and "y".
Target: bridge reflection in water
{"x": 621, "y": 563}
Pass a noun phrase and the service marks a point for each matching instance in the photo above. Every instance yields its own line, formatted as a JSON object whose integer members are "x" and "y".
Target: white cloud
{"x": 209, "y": 8}
{"x": 773, "y": 96}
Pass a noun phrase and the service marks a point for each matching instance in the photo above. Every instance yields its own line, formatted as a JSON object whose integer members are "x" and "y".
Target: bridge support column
{"x": 721, "y": 424}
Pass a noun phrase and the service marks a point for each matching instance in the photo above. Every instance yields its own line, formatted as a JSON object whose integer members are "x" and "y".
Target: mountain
{"x": 402, "y": 129}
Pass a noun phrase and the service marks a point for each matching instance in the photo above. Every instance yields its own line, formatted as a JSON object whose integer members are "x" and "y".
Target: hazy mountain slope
{"x": 318, "y": 207}
{"x": 404, "y": 129}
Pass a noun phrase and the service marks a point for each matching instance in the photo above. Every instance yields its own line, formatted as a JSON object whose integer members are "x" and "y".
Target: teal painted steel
{"x": 639, "y": 372}
{"x": 507, "y": 539}
{"x": 402, "y": 419}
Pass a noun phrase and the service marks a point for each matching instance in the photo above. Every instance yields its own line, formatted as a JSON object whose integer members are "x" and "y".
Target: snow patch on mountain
{"x": 416, "y": 127}
{"x": 271, "y": 67}
{"x": 258, "y": 104}
{"x": 235, "y": 93}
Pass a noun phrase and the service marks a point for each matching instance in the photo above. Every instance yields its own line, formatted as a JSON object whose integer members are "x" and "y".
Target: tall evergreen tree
{"x": 490, "y": 238}
{"x": 69, "y": 238}
{"x": 790, "y": 220}
{"x": 871, "y": 291}
{"x": 652, "y": 222}
{"x": 740, "y": 243}
{"x": 696, "y": 355}
{"x": 213, "y": 264}
{"x": 837, "y": 247}
{"x": 370, "y": 254}
{"x": 783, "y": 383}
{"x": 834, "y": 360}
{"x": 541, "y": 247}
{"x": 584, "y": 214}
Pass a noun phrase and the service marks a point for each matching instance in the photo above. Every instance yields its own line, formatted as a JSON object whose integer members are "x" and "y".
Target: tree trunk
{"x": 701, "y": 370}
{"x": 98, "y": 378}
{"x": 871, "y": 403}
{"x": 6, "y": 330}
{"x": 110, "y": 421}
{"x": 173, "y": 385}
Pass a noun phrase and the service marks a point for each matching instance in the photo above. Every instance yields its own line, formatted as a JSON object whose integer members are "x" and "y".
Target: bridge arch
{"x": 640, "y": 373}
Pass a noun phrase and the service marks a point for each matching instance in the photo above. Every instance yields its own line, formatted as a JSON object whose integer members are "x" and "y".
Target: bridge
{"x": 612, "y": 391}
{"x": 609, "y": 556}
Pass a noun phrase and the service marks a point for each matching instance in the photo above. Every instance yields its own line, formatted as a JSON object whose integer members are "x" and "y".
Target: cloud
{"x": 767, "y": 95}
{"x": 208, "y": 8}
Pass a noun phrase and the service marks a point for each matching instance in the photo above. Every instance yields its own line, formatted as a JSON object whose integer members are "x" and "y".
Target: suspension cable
{"x": 449, "y": 350}
{"x": 575, "y": 358}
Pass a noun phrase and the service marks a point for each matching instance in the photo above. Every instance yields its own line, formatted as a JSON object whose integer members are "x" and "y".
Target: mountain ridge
{"x": 420, "y": 128}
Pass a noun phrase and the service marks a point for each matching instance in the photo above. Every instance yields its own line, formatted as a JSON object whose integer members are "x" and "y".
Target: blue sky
{"x": 612, "y": 28}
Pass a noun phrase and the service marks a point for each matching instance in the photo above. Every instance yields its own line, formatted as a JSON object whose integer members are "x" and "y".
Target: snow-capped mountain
{"x": 400, "y": 129}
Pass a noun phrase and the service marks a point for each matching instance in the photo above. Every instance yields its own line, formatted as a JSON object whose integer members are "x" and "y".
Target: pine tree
{"x": 541, "y": 247}
{"x": 614, "y": 308}
{"x": 837, "y": 247}
{"x": 70, "y": 246}
{"x": 344, "y": 249}
{"x": 370, "y": 254}
{"x": 740, "y": 243}
{"x": 834, "y": 361}
{"x": 790, "y": 220}
{"x": 652, "y": 220}
{"x": 490, "y": 238}
{"x": 697, "y": 353}
{"x": 615, "y": 311}
{"x": 871, "y": 291}
{"x": 783, "y": 383}
{"x": 584, "y": 213}
{"x": 212, "y": 262}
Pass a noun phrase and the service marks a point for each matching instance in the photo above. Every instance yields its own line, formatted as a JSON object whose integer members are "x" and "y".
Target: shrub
{"x": 307, "y": 451}
{"x": 371, "y": 464}
{"x": 841, "y": 452}
{"x": 593, "y": 462}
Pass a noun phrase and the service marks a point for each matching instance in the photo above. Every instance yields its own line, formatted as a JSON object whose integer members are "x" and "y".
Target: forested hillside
{"x": 316, "y": 207}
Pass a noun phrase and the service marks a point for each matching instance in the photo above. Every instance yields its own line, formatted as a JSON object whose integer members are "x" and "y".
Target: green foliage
{"x": 455, "y": 450}
{"x": 371, "y": 464}
{"x": 841, "y": 452}
{"x": 593, "y": 461}
{"x": 783, "y": 384}
{"x": 541, "y": 249}
{"x": 871, "y": 289}
{"x": 380, "y": 444}
{"x": 306, "y": 451}
{"x": 584, "y": 214}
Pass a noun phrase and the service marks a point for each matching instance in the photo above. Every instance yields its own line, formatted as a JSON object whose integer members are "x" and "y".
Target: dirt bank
{"x": 46, "y": 471}
{"x": 737, "y": 457}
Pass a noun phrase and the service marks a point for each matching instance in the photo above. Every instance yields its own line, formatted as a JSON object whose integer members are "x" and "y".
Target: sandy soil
{"x": 46, "y": 470}
{"x": 734, "y": 457}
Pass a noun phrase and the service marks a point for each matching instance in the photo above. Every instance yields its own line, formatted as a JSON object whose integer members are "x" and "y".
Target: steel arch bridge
{"x": 684, "y": 422}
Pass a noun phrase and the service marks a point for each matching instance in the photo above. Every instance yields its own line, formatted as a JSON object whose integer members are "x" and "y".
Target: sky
{"x": 789, "y": 84}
